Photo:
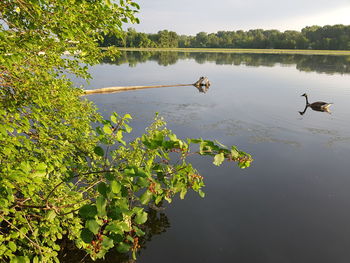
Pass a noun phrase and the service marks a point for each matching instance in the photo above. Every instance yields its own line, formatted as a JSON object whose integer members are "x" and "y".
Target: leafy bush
{"x": 60, "y": 178}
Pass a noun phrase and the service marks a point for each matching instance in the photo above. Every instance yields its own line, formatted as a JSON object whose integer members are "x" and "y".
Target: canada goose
{"x": 318, "y": 105}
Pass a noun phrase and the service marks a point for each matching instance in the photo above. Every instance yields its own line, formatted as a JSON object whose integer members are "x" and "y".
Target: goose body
{"x": 318, "y": 105}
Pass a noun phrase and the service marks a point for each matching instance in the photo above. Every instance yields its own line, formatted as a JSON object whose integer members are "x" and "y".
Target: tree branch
{"x": 31, "y": 241}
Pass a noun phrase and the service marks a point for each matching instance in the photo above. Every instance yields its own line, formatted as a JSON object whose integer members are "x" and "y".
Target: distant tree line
{"x": 336, "y": 37}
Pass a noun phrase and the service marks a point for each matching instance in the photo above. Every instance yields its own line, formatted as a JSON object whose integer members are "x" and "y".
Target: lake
{"x": 293, "y": 203}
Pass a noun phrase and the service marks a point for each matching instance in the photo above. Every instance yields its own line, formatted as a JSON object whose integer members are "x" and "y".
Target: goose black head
{"x": 304, "y": 95}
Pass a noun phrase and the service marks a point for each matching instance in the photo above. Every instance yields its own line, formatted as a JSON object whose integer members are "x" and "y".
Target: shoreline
{"x": 245, "y": 51}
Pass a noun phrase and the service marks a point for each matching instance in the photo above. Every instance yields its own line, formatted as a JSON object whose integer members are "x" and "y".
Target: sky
{"x": 192, "y": 16}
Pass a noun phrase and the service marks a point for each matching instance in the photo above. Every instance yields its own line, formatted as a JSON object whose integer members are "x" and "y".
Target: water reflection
{"x": 157, "y": 223}
{"x": 315, "y": 109}
{"x": 203, "y": 89}
{"x": 306, "y": 63}
{"x": 316, "y": 106}
{"x": 292, "y": 204}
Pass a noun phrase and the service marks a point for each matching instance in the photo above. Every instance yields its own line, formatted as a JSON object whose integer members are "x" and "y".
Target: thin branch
{"x": 65, "y": 206}
{"x": 34, "y": 206}
{"x": 97, "y": 172}
{"x": 69, "y": 212}
{"x": 91, "y": 186}
{"x": 175, "y": 171}
{"x": 31, "y": 241}
{"x": 51, "y": 192}
{"x": 31, "y": 229}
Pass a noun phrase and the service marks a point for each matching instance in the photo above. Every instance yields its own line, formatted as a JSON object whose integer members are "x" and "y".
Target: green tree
{"x": 213, "y": 41}
{"x": 60, "y": 178}
{"x": 184, "y": 41}
{"x": 335, "y": 37}
{"x": 167, "y": 38}
{"x": 201, "y": 40}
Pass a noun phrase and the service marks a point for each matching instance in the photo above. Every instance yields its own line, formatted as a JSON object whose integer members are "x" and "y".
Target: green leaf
{"x": 201, "y": 193}
{"x": 194, "y": 140}
{"x": 220, "y": 144}
{"x": 114, "y": 227}
{"x": 107, "y": 243}
{"x": 114, "y": 119}
{"x": 204, "y": 148}
{"x": 99, "y": 130}
{"x": 123, "y": 247}
{"x": 135, "y": 5}
{"x": 50, "y": 215}
{"x": 12, "y": 246}
{"x": 101, "y": 204}
{"x": 21, "y": 259}
{"x": 128, "y": 237}
{"x": 143, "y": 182}
{"x": 3, "y": 130}
{"x": 39, "y": 170}
{"x": 127, "y": 116}
{"x": 137, "y": 209}
{"x": 115, "y": 213}
{"x": 115, "y": 187}
{"x": 159, "y": 198}
{"x": 99, "y": 151}
{"x": 140, "y": 172}
{"x": 167, "y": 198}
{"x": 86, "y": 235}
{"x": 138, "y": 231}
{"x": 128, "y": 129}
{"x": 102, "y": 189}
{"x": 218, "y": 159}
{"x": 88, "y": 211}
{"x": 93, "y": 226}
{"x": 130, "y": 171}
{"x": 119, "y": 136}
{"x": 141, "y": 218}
{"x": 107, "y": 129}
{"x": 124, "y": 226}
{"x": 234, "y": 152}
{"x": 146, "y": 197}
{"x": 183, "y": 193}
{"x": 41, "y": 166}
{"x": 109, "y": 176}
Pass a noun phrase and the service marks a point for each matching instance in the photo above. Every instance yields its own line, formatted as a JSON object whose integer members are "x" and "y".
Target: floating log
{"x": 203, "y": 81}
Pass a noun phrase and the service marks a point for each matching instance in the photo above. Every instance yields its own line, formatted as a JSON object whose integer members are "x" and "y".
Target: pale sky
{"x": 193, "y": 16}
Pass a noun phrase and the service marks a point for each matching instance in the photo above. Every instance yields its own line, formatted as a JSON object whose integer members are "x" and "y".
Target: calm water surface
{"x": 293, "y": 204}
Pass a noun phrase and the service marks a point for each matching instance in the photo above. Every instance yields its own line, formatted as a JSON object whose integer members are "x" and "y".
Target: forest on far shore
{"x": 335, "y": 37}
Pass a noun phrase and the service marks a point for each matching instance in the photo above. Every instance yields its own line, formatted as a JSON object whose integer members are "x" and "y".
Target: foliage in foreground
{"x": 150, "y": 169}
{"x": 60, "y": 178}
{"x": 108, "y": 187}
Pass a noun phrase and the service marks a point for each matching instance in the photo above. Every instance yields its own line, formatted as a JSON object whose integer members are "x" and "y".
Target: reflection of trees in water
{"x": 308, "y": 63}
{"x": 135, "y": 57}
{"x": 156, "y": 224}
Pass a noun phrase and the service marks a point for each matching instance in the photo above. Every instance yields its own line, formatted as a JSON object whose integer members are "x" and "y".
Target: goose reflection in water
{"x": 316, "y": 106}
